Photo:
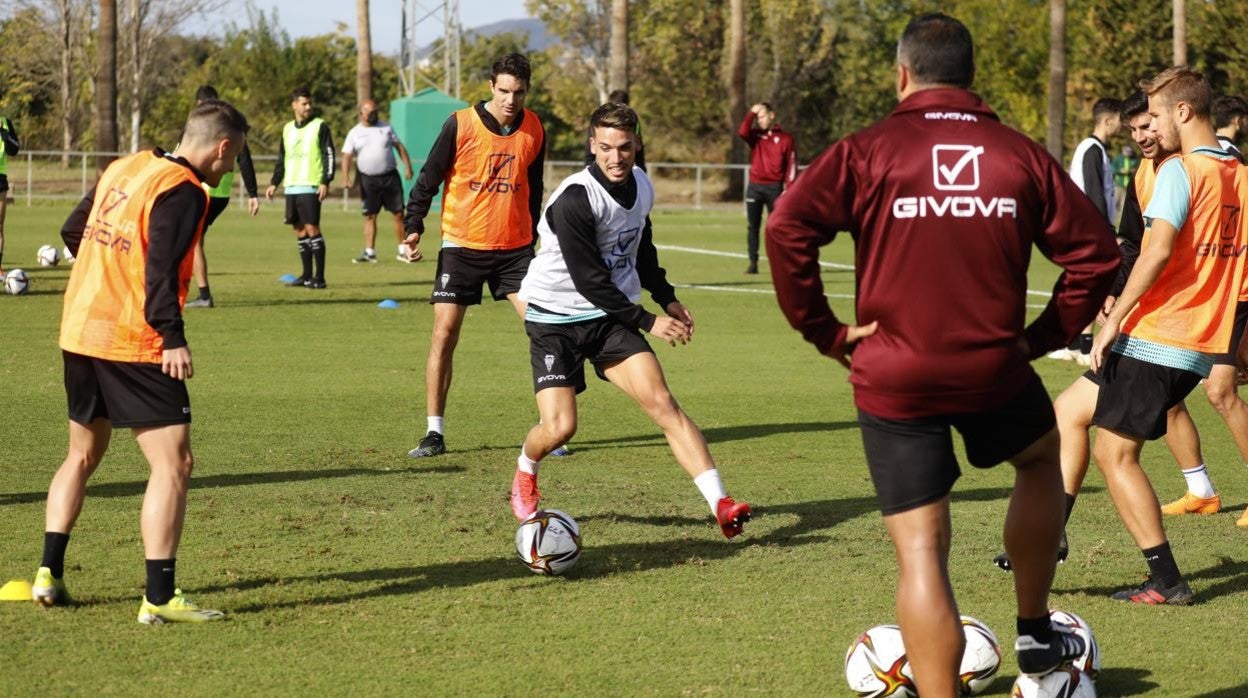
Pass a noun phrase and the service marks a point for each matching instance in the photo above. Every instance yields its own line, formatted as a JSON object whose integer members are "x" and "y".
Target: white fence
{"x": 53, "y": 175}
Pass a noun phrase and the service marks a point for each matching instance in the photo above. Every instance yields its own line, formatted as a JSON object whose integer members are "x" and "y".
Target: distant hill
{"x": 534, "y": 28}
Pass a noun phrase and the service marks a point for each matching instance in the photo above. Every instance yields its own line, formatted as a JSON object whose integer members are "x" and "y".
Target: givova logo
{"x": 955, "y": 168}
{"x": 498, "y": 175}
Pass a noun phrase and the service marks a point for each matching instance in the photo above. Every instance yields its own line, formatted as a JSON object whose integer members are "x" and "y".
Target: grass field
{"x": 348, "y": 568}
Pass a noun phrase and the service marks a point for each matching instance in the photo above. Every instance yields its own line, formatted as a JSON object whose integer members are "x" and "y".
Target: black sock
{"x": 160, "y": 581}
{"x": 54, "y": 545}
{"x": 305, "y": 256}
{"x": 317, "y": 242}
{"x": 1085, "y": 343}
{"x": 1161, "y": 565}
{"x": 205, "y": 293}
{"x": 1039, "y": 628}
{"x": 1070, "y": 505}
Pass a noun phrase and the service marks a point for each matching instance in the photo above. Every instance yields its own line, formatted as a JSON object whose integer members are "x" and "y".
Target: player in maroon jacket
{"x": 773, "y": 165}
{"x": 942, "y": 245}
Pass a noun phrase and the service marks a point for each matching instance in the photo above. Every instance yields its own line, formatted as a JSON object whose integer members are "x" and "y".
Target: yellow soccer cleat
{"x": 48, "y": 590}
{"x": 1191, "y": 504}
{"x": 177, "y": 610}
{"x": 1243, "y": 520}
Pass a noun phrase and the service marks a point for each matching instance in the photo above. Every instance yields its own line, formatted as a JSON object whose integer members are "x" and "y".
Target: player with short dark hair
{"x": 9, "y": 146}
{"x": 218, "y": 201}
{"x": 374, "y": 142}
{"x": 305, "y": 161}
{"x": 941, "y": 254}
{"x": 773, "y": 166}
{"x": 619, "y": 97}
{"x": 490, "y": 157}
{"x": 583, "y": 290}
{"x": 125, "y": 350}
{"x": 1175, "y": 313}
{"x": 1230, "y": 122}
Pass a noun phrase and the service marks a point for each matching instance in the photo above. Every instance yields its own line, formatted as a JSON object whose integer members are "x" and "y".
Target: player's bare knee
{"x": 1222, "y": 397}
{"x": 560, "y": 429}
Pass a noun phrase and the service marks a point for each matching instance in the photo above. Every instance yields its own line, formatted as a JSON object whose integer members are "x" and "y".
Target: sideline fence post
{"x": 697, "y": 189}
{"x": 30, "y": 176}
{"x": 84, "y": 174}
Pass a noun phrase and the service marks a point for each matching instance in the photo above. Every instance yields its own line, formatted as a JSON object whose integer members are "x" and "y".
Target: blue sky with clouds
{"x": 311, "y": 17}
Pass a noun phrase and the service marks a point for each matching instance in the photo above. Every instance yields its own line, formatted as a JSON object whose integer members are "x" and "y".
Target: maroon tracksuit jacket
{"x": 773, "y": 157}
{"x": 944, "y": 204}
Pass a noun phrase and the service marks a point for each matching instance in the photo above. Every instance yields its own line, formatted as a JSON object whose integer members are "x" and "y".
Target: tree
{"x": 583, "y": 27}
{"x": 734, "y": 85}
{"x": 106, "y": 84}
{"x": 1057, "y": 77}
{"x": 618, "y": 79}
{"x": 364, "y": 54}
{"x": 1180, "y": 32}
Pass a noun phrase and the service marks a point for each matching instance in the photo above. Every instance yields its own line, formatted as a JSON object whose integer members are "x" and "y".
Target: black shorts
{"x": 1241, "y": 319}
{"x": 912, "y": 461}
{"x": 303, "y": 209}
{"x": 381, "y": 191}
{"x": 4, "y": 183}
{"x": 1135, "y": 395}
{"x": 558, "y": 352}
{"x": 216, "y": 206}
{"x": 461, "y": 271}
{"x": 127, "y": 394}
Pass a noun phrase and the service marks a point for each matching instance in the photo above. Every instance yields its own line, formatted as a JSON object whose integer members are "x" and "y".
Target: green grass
{"x": 348, "y": 568}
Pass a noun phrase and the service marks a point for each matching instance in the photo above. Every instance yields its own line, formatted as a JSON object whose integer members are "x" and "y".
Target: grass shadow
{"x": 714, "y": 435}
{"x": 814, "y": 519}
{"x": 137, "y": 487}
{"x": 1124, "y": 681}
{"x": 1228, "y": 577}
{"x": 1237, "y": 692}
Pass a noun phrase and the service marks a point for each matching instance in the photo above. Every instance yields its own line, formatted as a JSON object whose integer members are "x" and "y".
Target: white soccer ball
{"x": 981, "y": 659}
{"x": 1090, "y": 661}
{"x": 16, "y": 282}
{"x": 48, "y": 256}
{"x": 876, "y": 664}
{"x": 1065, "y": 682}
{"x": 67, "y": 255}
{"x": 549, "y": 542}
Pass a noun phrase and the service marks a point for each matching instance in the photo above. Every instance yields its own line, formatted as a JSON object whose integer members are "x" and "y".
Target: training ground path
{"x": 768, "y": 291}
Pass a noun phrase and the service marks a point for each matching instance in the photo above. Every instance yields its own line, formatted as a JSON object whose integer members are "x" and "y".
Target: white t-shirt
{"x": 373, "y": 147}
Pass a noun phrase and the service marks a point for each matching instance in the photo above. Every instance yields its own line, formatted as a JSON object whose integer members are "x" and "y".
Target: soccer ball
{"x": 48, "y": 256}
{"x": 16, "y": 282}
{"x": 67, "y": 255}
{"x": 981, "y": 659}
{"x": 1090, "y": 661}
{"x": 549, "y": 542}
{"x": 876, "y": 664}
{"x": 1065, "y": 682}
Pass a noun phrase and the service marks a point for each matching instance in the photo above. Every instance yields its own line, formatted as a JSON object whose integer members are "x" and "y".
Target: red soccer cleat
{"x": 524, "y": 495}
{"x": 731, "y": 516}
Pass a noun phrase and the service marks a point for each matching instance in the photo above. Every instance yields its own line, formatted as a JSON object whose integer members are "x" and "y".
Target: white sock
{"x": 525, "y": 464}
{"x": 711, "y": 488}
{"x": 435, "y": 424}
{"x": 1198, "y": 482}
{"x": 402, "y": 248}
{"x": 370, "y": 252}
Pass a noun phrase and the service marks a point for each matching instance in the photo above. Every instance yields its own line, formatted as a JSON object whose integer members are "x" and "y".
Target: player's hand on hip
{"x": 322, "y": 191}
{"x": 1102, "y": 342}
{"x": 268, "y": 193}
{"x": 253, "y": 205}
{"x": 176, "y": 363}
{"x": 853, "y": 335}
{"x": 677, "y": 310}
{"x": 670, "y": 330}
{"x": 1106, "y": 308}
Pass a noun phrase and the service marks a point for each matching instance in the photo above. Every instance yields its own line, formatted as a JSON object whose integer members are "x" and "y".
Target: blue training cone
{"x": 287, "y": 278}
{"x": 388, "y": 304}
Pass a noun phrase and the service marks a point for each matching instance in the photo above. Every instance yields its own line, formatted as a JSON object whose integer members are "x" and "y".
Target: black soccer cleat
{"x": 1152, "y": 593}
{"x": 1002, "y": 560}
{"x": 1037, "y": 658}
{"x": 315, "y": 283}
{"x": 300, "y": 282}
{"x": 432, "y": 445}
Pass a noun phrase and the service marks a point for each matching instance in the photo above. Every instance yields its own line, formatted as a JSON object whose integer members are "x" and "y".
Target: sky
{"x": 312, "y": 17}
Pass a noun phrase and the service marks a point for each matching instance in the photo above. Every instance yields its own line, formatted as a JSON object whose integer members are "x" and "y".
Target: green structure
{"x": 418, "y": 119}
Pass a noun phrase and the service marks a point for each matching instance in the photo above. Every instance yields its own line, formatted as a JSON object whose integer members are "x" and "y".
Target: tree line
{"x": 692, "y": 67}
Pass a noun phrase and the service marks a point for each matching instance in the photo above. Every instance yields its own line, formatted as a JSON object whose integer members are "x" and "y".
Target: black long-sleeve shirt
{"x": 324, "y": 141}
{"x": 571, "y": 218}
{"x": 8, "y": 133}
{"x": 442, "y": 156}
{"x": 171, "y": 229}
{"x": 1130, "y": 234}
{"x": 248, "y": 169}
{"x": 1093, "y": 167}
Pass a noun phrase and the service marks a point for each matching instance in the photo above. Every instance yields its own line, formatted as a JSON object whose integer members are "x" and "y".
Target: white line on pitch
{"x": 767, "y": 291}
{"x": 739, "y": 255}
